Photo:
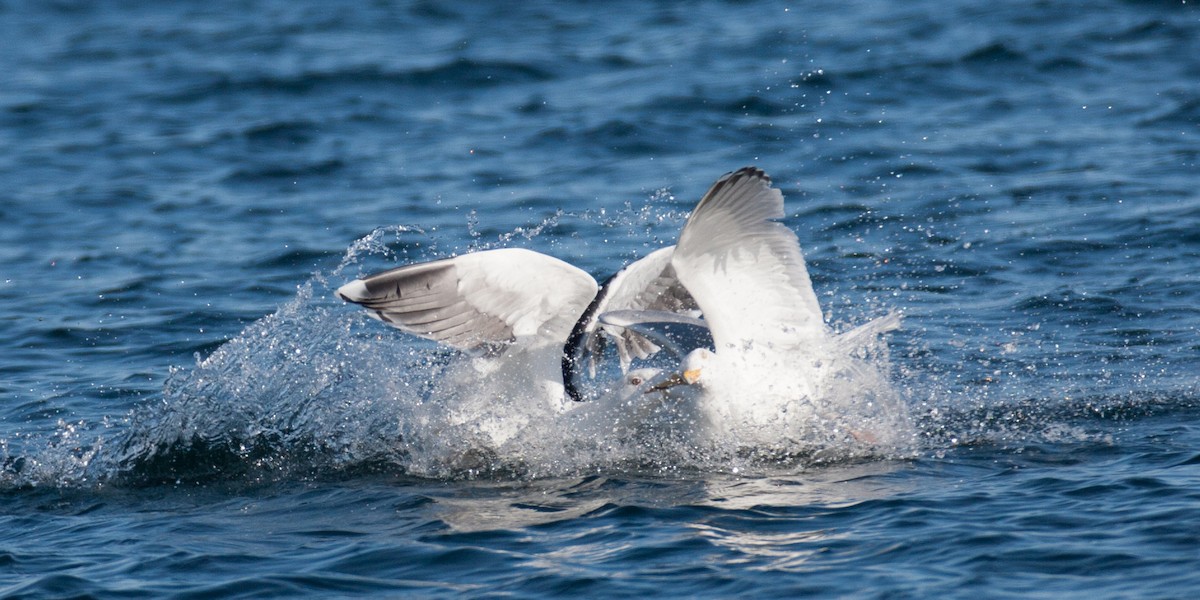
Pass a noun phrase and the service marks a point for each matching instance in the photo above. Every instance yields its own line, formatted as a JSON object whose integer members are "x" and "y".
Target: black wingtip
{"x": 750, "y": 171}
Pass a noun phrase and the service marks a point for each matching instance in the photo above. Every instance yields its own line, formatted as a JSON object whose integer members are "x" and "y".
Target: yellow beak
{"x": 691, "y": 376}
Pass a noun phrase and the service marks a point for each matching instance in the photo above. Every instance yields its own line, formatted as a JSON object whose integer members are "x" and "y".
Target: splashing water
{"x": 318, "y": 390}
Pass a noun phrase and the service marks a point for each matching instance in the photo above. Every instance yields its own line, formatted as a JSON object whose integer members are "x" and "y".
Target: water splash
{"x": 317, "y": 390}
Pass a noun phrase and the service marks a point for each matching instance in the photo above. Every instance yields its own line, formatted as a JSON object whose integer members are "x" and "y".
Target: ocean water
{"x": 186, "y": 410}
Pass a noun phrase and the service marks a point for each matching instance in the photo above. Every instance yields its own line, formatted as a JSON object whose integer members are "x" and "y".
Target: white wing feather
{"x": 744, "y": 269}
{"x": 647, "y": 284}
{"x": 866, "y": 333}
{"x": 478, "y": 298}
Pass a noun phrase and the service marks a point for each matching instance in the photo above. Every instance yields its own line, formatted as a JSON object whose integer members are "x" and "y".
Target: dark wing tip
{"x": 749, "y": 172}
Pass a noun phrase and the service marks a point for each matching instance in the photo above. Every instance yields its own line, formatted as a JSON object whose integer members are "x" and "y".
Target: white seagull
{"x": 530, "y": 321}
{"x": 533, "y": 322}
{"x": 773, "y": 353}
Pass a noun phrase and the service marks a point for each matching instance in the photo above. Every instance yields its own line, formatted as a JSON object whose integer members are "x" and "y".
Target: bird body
{"x": 774, "y": 360}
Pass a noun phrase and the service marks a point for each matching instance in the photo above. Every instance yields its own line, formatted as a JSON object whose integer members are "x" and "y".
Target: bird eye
{"x": 635, "y": 380}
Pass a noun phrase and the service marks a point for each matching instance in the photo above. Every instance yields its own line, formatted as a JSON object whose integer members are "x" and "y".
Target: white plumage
{"x": 534, "y": 322}
{"x": 744, "y": 269}
{"x": 526, "y": 318}
{"x": 767, "y": 379}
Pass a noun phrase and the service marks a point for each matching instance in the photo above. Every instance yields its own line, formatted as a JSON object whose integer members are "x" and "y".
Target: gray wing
{"x": 648, "y": 283}
{"x": 494, "y": 296}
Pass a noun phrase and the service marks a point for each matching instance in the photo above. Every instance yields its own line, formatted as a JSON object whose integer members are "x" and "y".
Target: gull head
{"x": 640, "y": 379}
{"x": 635, "y": 383}
{"x": 697, "y": 366}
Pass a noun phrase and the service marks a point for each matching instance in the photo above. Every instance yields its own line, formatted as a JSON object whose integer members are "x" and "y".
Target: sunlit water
{"x": 187, "y": 408}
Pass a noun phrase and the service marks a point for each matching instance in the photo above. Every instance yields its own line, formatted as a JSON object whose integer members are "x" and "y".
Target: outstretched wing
{"x": 493, "y": 296}
{"x": 745, "y": 269}
{"x": 647, "y": 284}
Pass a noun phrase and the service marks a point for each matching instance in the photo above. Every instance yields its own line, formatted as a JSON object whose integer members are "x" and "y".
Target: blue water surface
{"x": 186, "y": 410}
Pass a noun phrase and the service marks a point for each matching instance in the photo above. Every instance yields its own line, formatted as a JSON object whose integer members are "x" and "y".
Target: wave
{"x": 455, "y": 73}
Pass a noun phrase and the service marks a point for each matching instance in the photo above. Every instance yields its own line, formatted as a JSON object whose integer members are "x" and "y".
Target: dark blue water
{"x": 186, "y": 410}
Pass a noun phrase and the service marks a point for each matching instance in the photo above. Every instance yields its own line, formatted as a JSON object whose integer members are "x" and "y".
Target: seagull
{"x": 529, "y": 319}
{"x": 533, "y": 322}
{"x": 772, "y": 353}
